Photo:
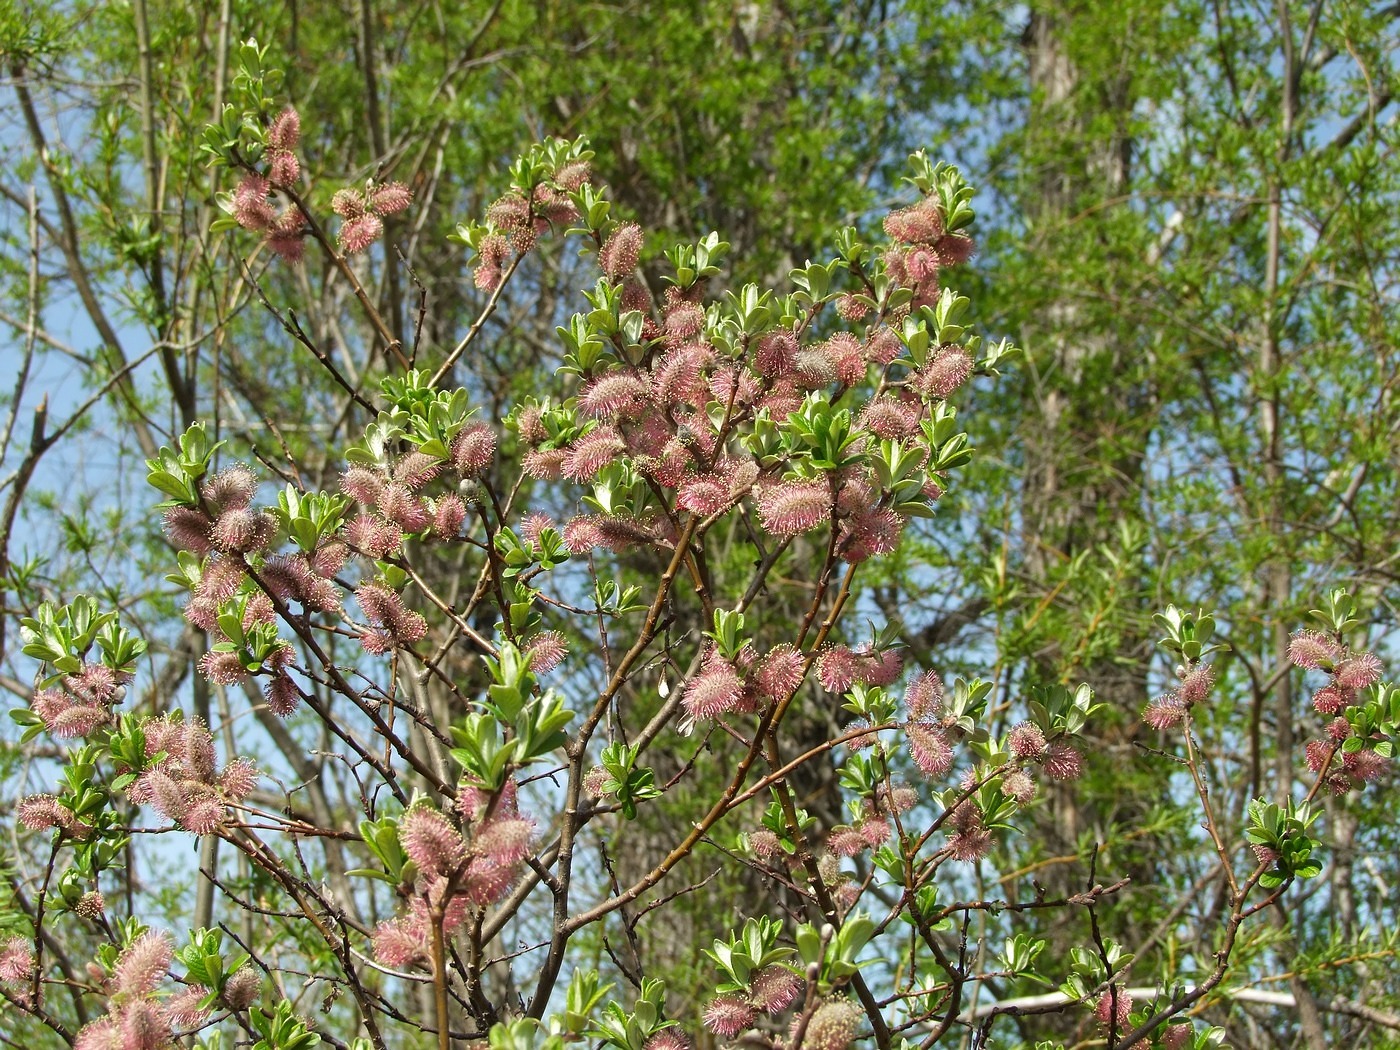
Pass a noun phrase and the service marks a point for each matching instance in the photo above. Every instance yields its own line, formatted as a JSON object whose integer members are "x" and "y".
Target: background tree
{"x": 1192, "y": 354}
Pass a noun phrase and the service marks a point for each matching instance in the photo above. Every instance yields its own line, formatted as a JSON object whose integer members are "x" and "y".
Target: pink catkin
{"x": 955, "y": 249}
{"x": 874, "y": 830}
{"x": 222, "y": 668}
{"x": 41, "y": 812}
{"x": 780, "y": 671}
{"x": 184, "y": 1008}
{"x": 283, "y": 168}
{"x": 678, "y": 376}
{"x": 891, "y": 417}
{"x": 573, "y": 176}
{"x": 544, "y": 464}
{"x": 144, "y": 1026}
{"x": 398, "y": 504}
{"x": 1063, "y": 762}
{"x": 242, "y": 989}
{"x": 416, "y": 469}
{"x": 930, "y": 749}
{"x": 102, "y": 1034}
{"x": 532, "y": 526}
{"x": 449, "y": 514}
{"x": 595, "y": 782}
{"x": 400, "y": 943}
{"x": 492, "y": 253}
{"x": 616, "y": 394}
{"x": 777, "y": 354}
{"x": 716, "y": 690}
{"x": 473, "y": 448}
{"x": 487, "y": 882}
{"x": 1166, "y": 712}
{"x": 509, "y": 212}
{"x": 581, "y": 534}
{"x": 1358, "y": 670}
{"x": 944, "y": 373}
{"x": 348, "y": 203}
{"x": 846, "y": 842}
{"x": 431, "y": 841}
{"x": 238, "y": 779}
{"x": 283, "y": 696}
{"x": 504, "y": 840}
{"x": 284, "y": 133}
{"x": 591, "y": 453}
{"x": 250, "y": 207}
{"x": 17, "y": 961}
{"x": 970, "y": 844}
{"x": 241, "y": 530}
{"x": 1017, "y": 784}
{"x": 1196, "y": 684}
{"x": 1115, "y": 1003}
{"x": 143, "y": 965}
{"x": 357, "y": 234}
{"x": 1331, "y": 700}
{"x": 881, "y": 668}
{"x": 188, "y": 529}
{"x": 837, "y": 669}
{"x": 1311, "y": 650}
{"x": 620, "y": 252}
{"x": 66, "y": 719}
{"x": 884, "y": 346}
{"x": 704, "y": 494}
{"x": 728, "y": 1015}
{"x": 1364, "y": 766}
{"x": 1027, "y": 741}
{"x": 920, "y": 224}
{"x": 203, "y": 814}
{"x": 924, "y": 696}
{"x": 847, "y": 358}
{"x": 390, "y": 198}
{"x": 546, "y": 651}
{"x": 792, "y": 507}
{"x": 774, "y": 988}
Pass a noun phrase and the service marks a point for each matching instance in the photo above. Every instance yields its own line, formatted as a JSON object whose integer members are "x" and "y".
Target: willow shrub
{"x": 624, "y": 550}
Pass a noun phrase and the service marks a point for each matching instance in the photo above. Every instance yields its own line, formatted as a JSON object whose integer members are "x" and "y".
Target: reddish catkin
{"x": 774, "y": 988}
{"x": 144, "y": 964}
{"x": 925, "y": 696}
{"x": 620, "y": 252}
{"x": 944, "y": 373}
{"x": 1027, "y": 741}
{"x": 716, "y": 690}
{"x": 1166, "y": 712}
{"x": 1358, "y": 670}
{"x": 728, "y": 1015}
{"x": 619, "y": 393}
{"x": 792, "y": 507}
{"x": 251, "y": 209}
{"x": 431, "y": 842}
{"x": 922, "y": 223}
{"x": 1311, "y": 650}
{"x": 930, "y": 748}
{"x": 17, "y": 961}
{"x": 546, "y": 651}
{"x": 780, "y": 671}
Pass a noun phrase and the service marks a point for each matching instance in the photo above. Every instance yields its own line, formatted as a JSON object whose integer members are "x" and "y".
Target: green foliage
{"x": 282, "y": 1029}
{"x": 629, "y": 783}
